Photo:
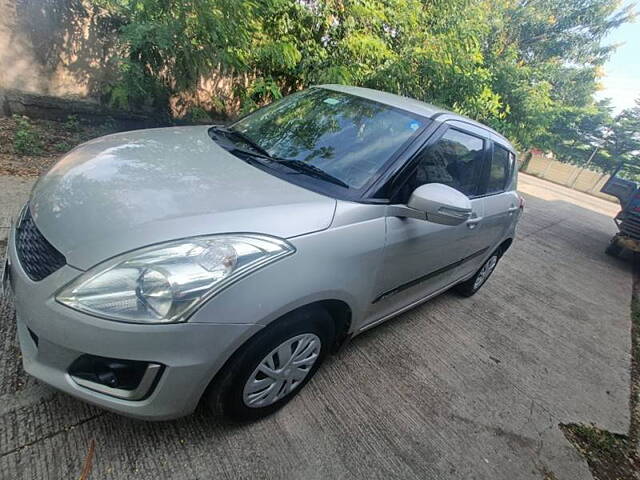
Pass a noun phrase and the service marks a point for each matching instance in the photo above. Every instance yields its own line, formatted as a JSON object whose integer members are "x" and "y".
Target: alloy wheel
{"x": 485, "y": 271}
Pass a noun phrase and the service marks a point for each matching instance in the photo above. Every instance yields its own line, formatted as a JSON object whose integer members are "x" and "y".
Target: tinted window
{"x": 348, "y": 137}
{"x": 500, "y": 169}
{"x": 455, "y": 160}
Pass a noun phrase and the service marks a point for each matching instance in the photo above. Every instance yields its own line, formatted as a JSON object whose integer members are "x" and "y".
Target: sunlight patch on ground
{"x": 552, "y": 192}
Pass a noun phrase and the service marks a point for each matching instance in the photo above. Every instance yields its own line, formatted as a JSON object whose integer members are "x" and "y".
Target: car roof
{"x": 411, "y": 105}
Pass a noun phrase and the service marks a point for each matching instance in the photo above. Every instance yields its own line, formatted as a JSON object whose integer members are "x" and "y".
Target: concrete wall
{"x": 572, "y": 176}
{"x": 67, "y": 48}
{"x": 55, "y": 47}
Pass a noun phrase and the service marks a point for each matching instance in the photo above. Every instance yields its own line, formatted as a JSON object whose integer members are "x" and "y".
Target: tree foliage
{"x": 527, "y": 67}
{"x": 621, "y": 140}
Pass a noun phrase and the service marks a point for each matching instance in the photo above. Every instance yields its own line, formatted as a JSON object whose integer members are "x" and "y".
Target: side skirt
{"x": 413, "y": 304}
{"x": 426, "y": 277}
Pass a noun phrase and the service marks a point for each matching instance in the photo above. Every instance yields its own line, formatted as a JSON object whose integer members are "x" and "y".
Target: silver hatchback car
{"x": 155, "y": 268}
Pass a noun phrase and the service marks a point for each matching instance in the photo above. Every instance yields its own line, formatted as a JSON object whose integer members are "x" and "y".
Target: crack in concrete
{"x": 51, "y": 435}
{"x": 541, "y": 229}
{"x": 510, "y": 435}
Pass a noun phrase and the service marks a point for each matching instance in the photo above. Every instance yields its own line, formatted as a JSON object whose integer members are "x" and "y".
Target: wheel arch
{"x": 339, "y": 311}
{"x": 504, "y": 246}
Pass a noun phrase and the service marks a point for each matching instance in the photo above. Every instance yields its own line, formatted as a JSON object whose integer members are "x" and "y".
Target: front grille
{"x": 630, "y": 224}
{"x": 37, "y": 256}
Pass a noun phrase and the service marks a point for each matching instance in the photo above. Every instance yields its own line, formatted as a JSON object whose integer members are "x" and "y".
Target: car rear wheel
{"x": 471, "y": 286}
{"x": 269, "y": 370}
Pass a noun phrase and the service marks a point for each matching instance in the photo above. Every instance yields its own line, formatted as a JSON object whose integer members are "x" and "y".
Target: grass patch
{"x": 29, "y": 147}
{"x": 25, "y": 139}
{"x": 610, "y": 456}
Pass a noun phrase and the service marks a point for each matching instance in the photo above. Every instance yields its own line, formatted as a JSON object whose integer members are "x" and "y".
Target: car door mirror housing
{"x": 441, "y": 203}
{"x": 436, "y": 202}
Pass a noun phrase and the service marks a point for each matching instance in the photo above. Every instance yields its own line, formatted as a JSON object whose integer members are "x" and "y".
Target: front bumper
{"x": 191, "y": 353}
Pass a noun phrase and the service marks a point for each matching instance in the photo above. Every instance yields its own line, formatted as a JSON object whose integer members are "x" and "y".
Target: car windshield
{"x": 348, "y": 138}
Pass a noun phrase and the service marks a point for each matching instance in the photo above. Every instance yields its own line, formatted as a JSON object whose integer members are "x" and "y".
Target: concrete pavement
{"x": 14, "y": 192}
{"x": 457, "y": 388}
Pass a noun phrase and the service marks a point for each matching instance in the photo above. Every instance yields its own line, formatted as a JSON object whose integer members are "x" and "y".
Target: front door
{"x": 422, "y": 257}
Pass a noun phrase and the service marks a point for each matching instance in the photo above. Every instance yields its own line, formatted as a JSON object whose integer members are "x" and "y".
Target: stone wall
{"x": 16, "y": 102}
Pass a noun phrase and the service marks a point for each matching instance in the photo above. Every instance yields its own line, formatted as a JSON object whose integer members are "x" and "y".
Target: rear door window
{"x": 499, "y": 169}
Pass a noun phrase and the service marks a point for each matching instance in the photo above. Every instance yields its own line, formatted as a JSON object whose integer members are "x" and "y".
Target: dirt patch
{"x": 610, "y": 456}
{"x": 29, "y": 147}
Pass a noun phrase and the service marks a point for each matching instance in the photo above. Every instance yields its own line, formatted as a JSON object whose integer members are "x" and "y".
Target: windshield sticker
{"x": 413, "y": 125}
{"x": 331, "y": 101}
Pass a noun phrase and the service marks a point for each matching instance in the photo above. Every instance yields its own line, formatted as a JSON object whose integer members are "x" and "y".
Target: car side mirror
{"x": 436, "y": 203}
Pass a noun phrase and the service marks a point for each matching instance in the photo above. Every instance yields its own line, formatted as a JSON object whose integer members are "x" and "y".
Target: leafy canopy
{"x": 529, "y": 68}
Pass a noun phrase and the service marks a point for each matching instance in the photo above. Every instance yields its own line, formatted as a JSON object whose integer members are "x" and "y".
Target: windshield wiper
{"x": 312, "y": 170}
{"x": 245, "y": 138}
{"x": 261, "y": 153}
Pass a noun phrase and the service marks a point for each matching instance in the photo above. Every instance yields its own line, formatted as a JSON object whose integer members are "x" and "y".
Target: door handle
{"x": 473, "y": 222}
{"x": 512, "y": 209}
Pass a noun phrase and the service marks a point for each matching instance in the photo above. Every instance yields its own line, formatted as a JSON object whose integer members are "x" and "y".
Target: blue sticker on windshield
{"x": 413, "y": 125}
{"x": 331, "y": 101}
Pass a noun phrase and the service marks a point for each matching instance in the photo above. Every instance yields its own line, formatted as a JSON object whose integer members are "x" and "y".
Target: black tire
{"x": 470, "y": 287}
{"x": 225, "y": 394}
{"x": 614, "y": 249}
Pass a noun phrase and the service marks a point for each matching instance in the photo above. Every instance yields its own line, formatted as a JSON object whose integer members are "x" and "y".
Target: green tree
{"x": 576, "y": 132}
{"x": 168, "y": 45}
{"x": 545, "y": 56}
{"x": 528, "y": 68}
{"x": 623, "y": 138}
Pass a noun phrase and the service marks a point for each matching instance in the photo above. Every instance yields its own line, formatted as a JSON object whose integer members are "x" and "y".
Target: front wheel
{"x": 471, "y": 286}
{"x": 272, "y": 367}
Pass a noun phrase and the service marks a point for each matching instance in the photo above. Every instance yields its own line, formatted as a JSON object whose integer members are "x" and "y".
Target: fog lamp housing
{"x": 126, "y": 379}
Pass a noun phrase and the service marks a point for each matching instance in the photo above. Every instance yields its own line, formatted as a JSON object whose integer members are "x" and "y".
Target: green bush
{"x": 197, "y": 115}
{"x": 25, "y": 140}
{"x": 62, "y": 147}
{"x": 72, "y": 124}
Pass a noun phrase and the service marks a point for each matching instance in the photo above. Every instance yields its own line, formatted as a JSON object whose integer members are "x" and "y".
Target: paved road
{"x": 457, "y": 388}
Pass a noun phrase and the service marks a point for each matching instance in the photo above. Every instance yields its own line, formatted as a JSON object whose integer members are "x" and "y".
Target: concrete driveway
{"x": 457, "y": 388}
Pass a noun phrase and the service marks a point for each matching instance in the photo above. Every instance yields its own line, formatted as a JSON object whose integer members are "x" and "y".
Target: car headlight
{"x": 167, "y": 282}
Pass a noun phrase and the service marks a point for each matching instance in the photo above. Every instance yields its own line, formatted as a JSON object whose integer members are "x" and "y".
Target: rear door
{"x": 501, "y": 202}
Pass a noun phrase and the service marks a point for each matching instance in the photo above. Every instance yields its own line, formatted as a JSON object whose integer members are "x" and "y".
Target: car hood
{"x": 129, "y": 190}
